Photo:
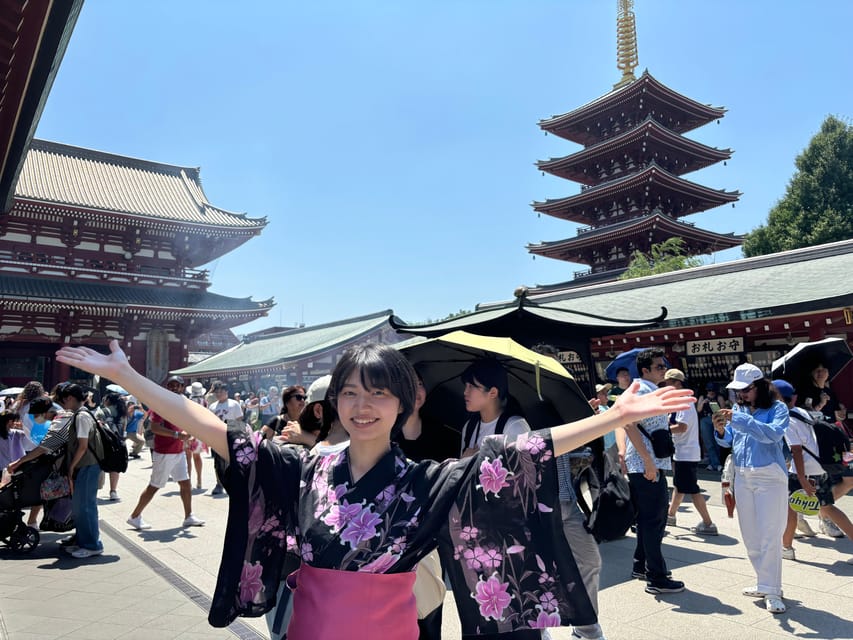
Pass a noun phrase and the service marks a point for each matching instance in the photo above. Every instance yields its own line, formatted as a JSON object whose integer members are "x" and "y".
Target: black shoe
{"x": 641, "y": 575}
{"x": 665, "y": 586}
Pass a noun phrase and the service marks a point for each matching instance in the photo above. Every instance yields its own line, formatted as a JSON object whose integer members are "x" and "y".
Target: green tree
{"x": 662, "y": 257}
{"x": 818, "y": 204}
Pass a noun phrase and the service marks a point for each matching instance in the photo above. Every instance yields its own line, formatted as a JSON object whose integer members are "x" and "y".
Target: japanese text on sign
{"x": 714, "y": 346}
{"x": 569, "y": 357}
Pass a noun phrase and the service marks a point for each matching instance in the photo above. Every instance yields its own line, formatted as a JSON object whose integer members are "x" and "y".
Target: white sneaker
{"x": 828, "y": 527}
{"x": 138, "y": 523}
{"x": 804, "y": 528}
{"x": 192, "y": 521}
{"x": 774, "y": 604}
{"x": 114, "y": 496}
{"x": 82, "y": 552}
{"x": 788, "y": 553}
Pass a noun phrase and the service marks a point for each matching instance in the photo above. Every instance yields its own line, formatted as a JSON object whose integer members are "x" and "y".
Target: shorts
{"x": 193, "y": 445}
{"x": 846, "y": 471}
{"x": 168, "y": 464}
{"x": 684, "y": 477}
{"x": 823, "y": 490}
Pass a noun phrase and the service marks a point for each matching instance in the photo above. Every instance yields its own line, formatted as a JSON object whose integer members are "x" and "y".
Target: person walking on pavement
{"x": 169, "y": 459}
{"x": 648, "y": 482}
{"x": 229, "y": 412}
{"x": 83, "y": 469}
{"x": 706, "y": 405}
{"x": 753, "y": 429}
{"x": 685, "y": 435}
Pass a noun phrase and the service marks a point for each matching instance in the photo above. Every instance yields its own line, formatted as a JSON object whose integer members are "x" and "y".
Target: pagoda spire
{"x": 627, "y": 57}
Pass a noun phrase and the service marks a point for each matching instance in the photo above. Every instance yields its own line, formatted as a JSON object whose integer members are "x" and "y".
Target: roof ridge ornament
{"x": 627, "y": 57}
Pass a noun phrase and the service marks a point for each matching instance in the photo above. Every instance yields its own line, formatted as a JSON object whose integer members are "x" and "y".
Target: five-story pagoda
{"x": 631, "y": 170}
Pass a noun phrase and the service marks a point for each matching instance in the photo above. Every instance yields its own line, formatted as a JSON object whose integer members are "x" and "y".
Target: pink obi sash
{"x": 329, "y": 604}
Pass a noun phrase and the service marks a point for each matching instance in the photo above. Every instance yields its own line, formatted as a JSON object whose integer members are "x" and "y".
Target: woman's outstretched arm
{"x": 628, "y": 408}
{"x": 177, "y": 409}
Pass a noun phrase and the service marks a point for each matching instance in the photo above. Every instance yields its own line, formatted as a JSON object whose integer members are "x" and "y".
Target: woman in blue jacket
{"x": 754, "y": 429}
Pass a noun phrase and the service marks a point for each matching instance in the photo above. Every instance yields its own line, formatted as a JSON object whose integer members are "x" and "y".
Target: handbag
{"x": 661, "y": 439}
{"x": 55, "y": 486}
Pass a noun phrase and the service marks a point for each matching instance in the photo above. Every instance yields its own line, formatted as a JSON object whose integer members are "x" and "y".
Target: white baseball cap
{"x": 744, "y": 376}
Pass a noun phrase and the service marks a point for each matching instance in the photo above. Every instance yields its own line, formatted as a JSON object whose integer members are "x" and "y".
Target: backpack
{"x": 471, "y": 425}
{"x": 612, "y": 512}
{"x": 106, "y": 445}
{"x": 832, "y": 443}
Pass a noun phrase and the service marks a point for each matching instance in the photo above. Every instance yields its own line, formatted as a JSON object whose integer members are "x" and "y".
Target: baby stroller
{"x": 24, "y": 490}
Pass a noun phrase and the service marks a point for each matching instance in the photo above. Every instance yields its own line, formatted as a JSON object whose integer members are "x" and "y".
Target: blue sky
{"x": 392, "y": 144}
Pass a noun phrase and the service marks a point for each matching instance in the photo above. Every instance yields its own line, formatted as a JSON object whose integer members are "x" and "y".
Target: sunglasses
{"x": 298, "y": 396}
{"x": 746, "y": 389}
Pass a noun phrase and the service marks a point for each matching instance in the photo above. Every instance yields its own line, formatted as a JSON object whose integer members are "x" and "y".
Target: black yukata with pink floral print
{"x": 495, "y": 518}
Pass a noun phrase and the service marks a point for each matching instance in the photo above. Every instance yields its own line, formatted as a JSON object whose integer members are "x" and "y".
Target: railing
{"x": 34, "y": 261}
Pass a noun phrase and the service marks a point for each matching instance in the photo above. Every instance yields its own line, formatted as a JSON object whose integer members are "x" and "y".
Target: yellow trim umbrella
{"x": 545, "y": 390}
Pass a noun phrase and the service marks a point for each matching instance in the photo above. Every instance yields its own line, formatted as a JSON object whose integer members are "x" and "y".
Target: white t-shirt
{"x": 687, "y": 442}
{"x": 801, "y": 433}
{"x": 514, "y": 426}
{"x": 229, "y": 411}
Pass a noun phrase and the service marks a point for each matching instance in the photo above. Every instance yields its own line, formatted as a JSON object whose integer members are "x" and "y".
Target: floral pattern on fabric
{"x": 495, "y": 518}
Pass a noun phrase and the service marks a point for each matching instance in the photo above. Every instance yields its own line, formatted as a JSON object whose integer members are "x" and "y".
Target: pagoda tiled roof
{"x": 67, "y": 293}
{"x": 773, "y": 285}
{"x": 659, "y": 225}
{"x": 664, "y": 141}
{"x": 580, "y": 125}
{"x": 66, "y": 175}
{"x": 296, "y": 344}
{"x": 576, "y": 208}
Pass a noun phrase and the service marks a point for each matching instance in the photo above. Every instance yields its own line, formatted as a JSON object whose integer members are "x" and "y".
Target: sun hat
{"x": 674, "y": 374}
{"x": 744, "y": 376}
{"x": 317, "y": 391}
{"x": 196, "y": 390}
{"x": 603, "y": 387}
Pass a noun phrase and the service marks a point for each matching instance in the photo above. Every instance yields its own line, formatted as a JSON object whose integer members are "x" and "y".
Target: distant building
{"x": 291, "y": 356}
{"x": 632, "y": 193}
{"x": 98, "y": 246}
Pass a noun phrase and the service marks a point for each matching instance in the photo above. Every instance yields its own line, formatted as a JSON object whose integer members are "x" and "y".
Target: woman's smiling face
{"x": 366, "y": 414}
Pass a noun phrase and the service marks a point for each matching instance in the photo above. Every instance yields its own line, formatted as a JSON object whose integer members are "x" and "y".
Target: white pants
{"x": 761, "y": 495}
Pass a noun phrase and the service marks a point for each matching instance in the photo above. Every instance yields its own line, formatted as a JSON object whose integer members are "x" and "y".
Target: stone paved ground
{"x": 154, "y": 585}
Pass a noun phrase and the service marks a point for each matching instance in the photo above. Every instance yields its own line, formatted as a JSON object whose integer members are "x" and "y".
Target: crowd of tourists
{"x": 351, "y": 488}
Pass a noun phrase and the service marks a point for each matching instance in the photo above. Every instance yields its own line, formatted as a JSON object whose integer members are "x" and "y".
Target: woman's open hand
{"x": 108, "y": 366}
{"x": 667, "y": 399}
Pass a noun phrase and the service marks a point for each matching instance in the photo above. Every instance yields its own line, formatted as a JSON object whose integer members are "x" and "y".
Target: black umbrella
{"x": 545, "y": 391}
{"x": 833, "y": 353}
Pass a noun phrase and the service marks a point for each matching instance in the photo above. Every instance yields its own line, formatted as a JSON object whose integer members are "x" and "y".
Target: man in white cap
{"x": 684, "y": 426}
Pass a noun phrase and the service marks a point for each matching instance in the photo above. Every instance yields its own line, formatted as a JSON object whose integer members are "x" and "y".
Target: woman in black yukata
{"x": 364, "y": 517}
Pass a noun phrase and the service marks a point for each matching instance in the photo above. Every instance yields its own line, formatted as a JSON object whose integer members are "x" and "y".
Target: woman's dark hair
{"x": 71, "y": 390}
{"x": 311, "y": 423}
{"x": 40, "y": 406}
{"x": 765, "y": 394}
{"x": 6, "y": 418}
{"x": 115, "y": 400}
{"x": 289, "y": 392}
{"x": 379, "y": 367}
{"x": 489, "y": 373}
